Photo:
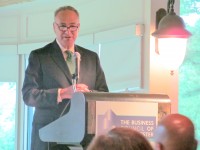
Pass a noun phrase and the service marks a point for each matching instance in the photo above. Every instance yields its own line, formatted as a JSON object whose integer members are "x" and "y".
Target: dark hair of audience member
{"x": 120, "y": 138}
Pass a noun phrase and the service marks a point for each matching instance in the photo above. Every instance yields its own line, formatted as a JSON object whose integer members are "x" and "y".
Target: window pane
{"x": 189, "y": 79}
{"x": 30, "y": 112}
{"x": 7, "y": 115}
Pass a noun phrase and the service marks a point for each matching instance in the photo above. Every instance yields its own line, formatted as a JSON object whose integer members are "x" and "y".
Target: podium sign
{"x": 97, "y": 112}
{"x": 141, "y": 116}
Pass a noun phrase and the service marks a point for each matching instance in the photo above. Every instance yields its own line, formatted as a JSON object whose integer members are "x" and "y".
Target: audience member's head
{"x": 175, "y": 132}
{"x": 120, "y": 138}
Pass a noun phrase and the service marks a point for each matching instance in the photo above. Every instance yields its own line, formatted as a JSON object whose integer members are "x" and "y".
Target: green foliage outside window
{"x": 7, "y": 115}
{"x": 189, "y": 72}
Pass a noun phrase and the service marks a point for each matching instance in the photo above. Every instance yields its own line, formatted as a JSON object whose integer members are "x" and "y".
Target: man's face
{"x": 66, "y": 28}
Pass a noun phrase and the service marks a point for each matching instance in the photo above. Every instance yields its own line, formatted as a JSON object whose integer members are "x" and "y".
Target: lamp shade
{"x": 171, "y": 26}
{"x": 172, "y": 40}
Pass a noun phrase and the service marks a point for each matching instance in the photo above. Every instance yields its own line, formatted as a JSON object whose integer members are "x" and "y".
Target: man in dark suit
{"x": 48, "y": 78}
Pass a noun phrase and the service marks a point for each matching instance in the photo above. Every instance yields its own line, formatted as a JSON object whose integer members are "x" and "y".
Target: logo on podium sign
{"x": 123, "y": 114}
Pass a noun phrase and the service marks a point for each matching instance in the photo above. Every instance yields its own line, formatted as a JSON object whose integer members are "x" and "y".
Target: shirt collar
{"x": 61, "y": 47}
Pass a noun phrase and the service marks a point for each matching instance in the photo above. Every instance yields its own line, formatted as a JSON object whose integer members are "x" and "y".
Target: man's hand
{"x": 67, "y": 93}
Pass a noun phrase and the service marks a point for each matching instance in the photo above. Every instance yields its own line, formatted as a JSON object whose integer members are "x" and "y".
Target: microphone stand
{"x": 74, "y": 81}
{"x": 75, "y": 77}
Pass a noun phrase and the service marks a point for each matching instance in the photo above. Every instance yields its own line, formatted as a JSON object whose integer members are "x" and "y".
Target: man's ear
{"x": 158, "y": 146}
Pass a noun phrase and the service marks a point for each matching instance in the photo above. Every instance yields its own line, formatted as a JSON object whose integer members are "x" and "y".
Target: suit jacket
{"x": 47, "y": 71}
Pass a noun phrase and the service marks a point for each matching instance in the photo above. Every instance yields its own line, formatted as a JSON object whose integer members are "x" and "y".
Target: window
{"x": 29, "y": 118}
{"x": 189, "y": 78}
{"x": 7, "y": 115}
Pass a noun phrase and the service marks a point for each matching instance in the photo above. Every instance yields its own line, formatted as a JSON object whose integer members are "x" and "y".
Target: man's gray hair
{"x": 63, "y": 8}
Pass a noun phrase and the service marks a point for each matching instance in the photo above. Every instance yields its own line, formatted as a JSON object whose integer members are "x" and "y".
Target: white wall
{"x": 109, "y": 23}
{"x": 160, "y": 79}
{"x": 34, "y": 23}
{"x": 31, "y": 23}
{"x": 9, "y": 61}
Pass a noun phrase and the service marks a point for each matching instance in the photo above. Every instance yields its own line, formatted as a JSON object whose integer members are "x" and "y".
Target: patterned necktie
{"x": 70, "y": 62}
{"x": 69, "y": 56}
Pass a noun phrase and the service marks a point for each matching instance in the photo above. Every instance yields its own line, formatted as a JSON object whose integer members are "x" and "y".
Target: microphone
{"x": 76, "y": 58}
{"x": 75, "y": 76}
{"x": 77, "y": 64}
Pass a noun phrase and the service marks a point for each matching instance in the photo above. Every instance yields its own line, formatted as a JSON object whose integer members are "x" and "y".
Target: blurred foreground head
{"x": 120, "y": 138}
{"x": 175, "y": 132}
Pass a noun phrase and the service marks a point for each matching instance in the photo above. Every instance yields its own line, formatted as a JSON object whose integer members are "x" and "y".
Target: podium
{"x": 96, "y": 112}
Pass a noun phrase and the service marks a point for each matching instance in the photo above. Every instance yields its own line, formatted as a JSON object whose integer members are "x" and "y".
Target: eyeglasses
{"x": 71, "y": 28}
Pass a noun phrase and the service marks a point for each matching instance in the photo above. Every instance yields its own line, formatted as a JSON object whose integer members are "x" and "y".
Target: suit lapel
{"x": 58, "y": 58}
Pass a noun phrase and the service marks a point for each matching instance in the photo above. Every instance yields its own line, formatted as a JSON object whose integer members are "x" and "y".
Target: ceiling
{"x": 10, "y": 7}
{"x": 12, "y": 2}
{"x": 14, "y": 7}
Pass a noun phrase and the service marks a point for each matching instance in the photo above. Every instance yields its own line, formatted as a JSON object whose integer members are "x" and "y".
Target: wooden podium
{"x": 97, "y": 112}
